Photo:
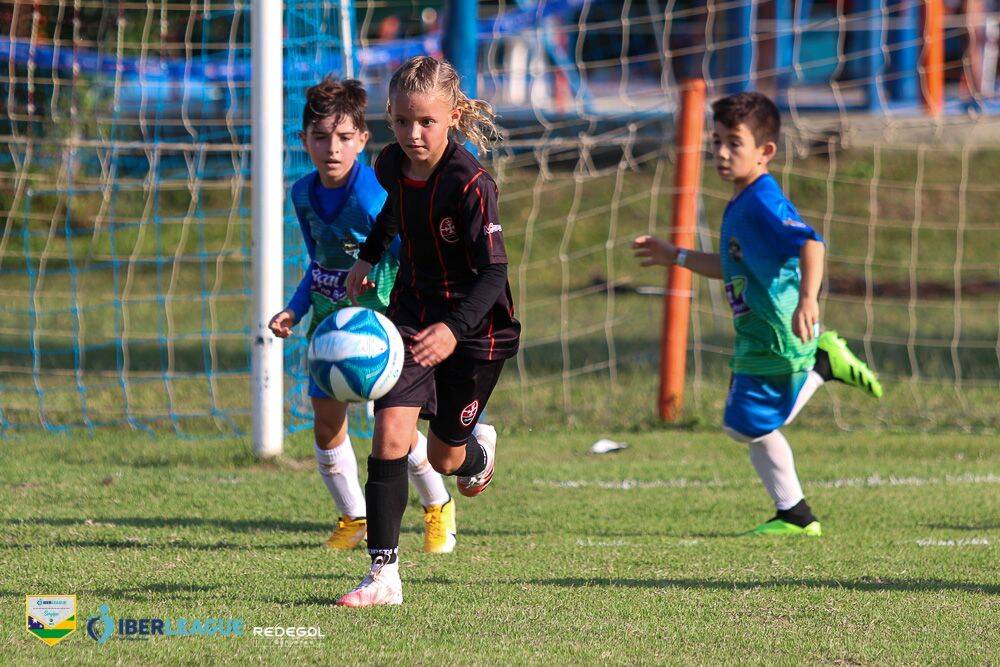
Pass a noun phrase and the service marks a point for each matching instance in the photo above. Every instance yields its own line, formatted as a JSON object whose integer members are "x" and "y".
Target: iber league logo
{"x": 101, "y": 628}
{"x": 51, "y": 618}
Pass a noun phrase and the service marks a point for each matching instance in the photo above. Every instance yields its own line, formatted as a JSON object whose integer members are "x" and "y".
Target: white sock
{"x": 339, "y": 469}
{"x": 772, "y": 458}
{"x": 429, "y": 483}
{"x": 813, "y": 382}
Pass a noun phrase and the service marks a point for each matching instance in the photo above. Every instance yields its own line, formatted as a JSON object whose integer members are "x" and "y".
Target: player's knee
{"x": 442, "y": 463}
{"x": 393, "y": 437}
{"x": 389, "y": 448}
{"x": 444, "y": 457}
{"x": 329, "y": 436}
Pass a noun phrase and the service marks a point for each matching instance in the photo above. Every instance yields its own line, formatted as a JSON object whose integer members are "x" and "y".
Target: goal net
{"x": 125, "y": 207}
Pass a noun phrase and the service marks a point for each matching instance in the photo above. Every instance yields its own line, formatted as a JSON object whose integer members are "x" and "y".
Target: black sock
{"x": 386, "y": 495}
{"x": 822, "y": 365}
{"x": 801, "y": 515}
{"x": 475, "y": 459}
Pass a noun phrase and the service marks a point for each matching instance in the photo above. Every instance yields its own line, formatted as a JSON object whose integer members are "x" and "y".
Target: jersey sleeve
{"x": 307, "y": 236}
{"x": 472, "y": 310}
{"x": 386, "y": 166}
{"x": 781, "y": 223}
{"x": 300, "y": 301}
{"x": 481, "y": 225}
{"x": 394, "y": 248}
{"x": 383, "y": 232}
{"x": 385, "y": 228}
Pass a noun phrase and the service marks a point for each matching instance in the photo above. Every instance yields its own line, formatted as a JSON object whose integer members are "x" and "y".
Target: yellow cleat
{"x": 349, "y": 533}
{"x": 439, "y": 528}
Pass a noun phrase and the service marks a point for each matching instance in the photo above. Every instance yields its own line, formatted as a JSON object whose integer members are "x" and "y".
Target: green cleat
{"x": 846, "y": 367}
{"x": 777, "y": 526}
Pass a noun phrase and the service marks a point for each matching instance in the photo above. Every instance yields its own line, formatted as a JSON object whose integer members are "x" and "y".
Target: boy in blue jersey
{"x": 772, "y": 266}
{"x": 336, "y": 206}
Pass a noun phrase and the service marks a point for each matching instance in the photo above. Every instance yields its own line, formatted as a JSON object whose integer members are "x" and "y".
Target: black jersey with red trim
{"x": 449, "y": 230}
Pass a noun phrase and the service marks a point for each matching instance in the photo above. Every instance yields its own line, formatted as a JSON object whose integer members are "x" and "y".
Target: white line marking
{"x": 877, "y": 480}
{"x": 590, "y": 542}
{"x": 963, "y": 542}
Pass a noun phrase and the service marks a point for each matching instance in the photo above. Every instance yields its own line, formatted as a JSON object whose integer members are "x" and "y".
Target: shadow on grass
{"x": 720, "y": 585}
{"x": 133, "y": 594}
{"x": 221, "y": 545}
{"x": 234, "y": 525}
{"x": 145, "y": 592}
{"x": 328, "y": 577}
{"x": 963, "y": 526}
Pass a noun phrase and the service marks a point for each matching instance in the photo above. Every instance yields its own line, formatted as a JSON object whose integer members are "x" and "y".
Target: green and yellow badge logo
{"x": 734, "y": 294}
{"x": 51, "y": 618}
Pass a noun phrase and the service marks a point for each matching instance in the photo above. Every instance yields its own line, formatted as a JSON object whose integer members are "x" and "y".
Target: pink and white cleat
{"x": 473, "y": 486}
{"x": 381, "y": 586}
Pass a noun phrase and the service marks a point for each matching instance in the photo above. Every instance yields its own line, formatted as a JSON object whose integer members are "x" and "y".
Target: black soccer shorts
{"x": 451, "y": 395}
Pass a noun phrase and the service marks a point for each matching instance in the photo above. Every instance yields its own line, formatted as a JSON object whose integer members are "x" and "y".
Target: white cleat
{"x": 381, "y": 586}
{"x": 473, "y": 486}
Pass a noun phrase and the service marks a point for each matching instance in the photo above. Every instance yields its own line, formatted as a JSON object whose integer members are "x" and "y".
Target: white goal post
{"x": 267, "y": 383}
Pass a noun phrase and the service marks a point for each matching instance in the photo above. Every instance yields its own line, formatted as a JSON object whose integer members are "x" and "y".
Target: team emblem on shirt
{"x": 447, "y": 230}
{"x": 734, "y": 294}
{"x": 469, "y": 413}
{"x": 735, "y": 251}
{"x": 350, "y": 249}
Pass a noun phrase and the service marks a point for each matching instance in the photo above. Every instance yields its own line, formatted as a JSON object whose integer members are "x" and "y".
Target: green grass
{"x": 568, "y": 558}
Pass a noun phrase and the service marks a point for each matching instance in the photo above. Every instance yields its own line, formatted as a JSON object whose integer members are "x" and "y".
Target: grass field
{"x": 126, "y": 303}
{"x": 568, "y": 558}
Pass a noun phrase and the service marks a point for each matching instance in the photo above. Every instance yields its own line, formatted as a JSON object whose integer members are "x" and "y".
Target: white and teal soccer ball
{"x": 356, "y": 355}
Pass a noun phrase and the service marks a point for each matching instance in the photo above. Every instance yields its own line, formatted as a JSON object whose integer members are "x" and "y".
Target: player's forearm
{"x": 708, "y": 264}
{"x": 811, "y": 267}
{"x": 477, "y": 303}
{"x": 307, "y": 236}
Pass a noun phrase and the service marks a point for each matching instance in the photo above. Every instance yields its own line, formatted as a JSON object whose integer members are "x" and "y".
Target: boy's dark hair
{"x": 340, "y": 99}
{"x": 755, "y": 110}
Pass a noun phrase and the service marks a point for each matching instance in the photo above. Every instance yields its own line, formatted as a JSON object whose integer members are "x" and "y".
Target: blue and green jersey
{"x": 762, "y": 235}
{"x": 334, "y": 223}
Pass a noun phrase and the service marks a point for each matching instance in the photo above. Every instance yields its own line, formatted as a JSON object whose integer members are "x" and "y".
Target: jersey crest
{"x": 447, "y": 230}
{"x": 351, "y": 247}
{"x": 735, "y": 251}
{"x": 469, "y": 413}
{"x": 734, "y": 294}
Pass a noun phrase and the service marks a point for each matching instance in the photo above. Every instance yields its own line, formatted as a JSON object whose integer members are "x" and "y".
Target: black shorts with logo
{"x": 451, "y": 395}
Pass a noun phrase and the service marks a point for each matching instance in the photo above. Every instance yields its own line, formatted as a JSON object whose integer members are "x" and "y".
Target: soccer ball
{"x": 355, "y": 355}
